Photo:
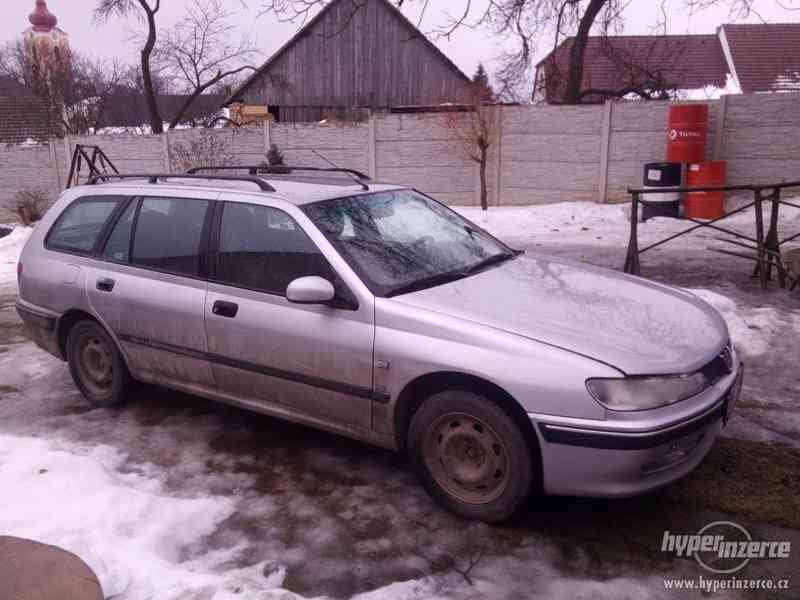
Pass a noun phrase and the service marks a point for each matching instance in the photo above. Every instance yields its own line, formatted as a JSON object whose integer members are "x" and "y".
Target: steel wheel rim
{"x": 96, "y": 365}
{"x": 466, "y": 458}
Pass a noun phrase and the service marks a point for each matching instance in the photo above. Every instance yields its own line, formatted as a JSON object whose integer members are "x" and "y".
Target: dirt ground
{"x": 343, "y": 518}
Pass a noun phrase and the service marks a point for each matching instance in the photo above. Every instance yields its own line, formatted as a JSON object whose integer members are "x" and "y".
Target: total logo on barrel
{"x": 674, "y": 134}
{"x": 686, "y": 133}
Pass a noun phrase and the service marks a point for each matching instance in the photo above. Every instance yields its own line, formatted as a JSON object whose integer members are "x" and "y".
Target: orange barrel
{"x": 686, "y": 133}
{"x": 705, "y": 205}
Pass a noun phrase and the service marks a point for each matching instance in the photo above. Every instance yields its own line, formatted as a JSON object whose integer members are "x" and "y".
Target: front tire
{"x": 96, "y": 365}
{"x": 470, "y": 456}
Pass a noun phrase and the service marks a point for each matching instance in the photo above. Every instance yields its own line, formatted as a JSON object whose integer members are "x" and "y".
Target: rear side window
{"x": 168, "y": 232}
{"x": 79, "y": 226}
{"x": 263, "y": 248}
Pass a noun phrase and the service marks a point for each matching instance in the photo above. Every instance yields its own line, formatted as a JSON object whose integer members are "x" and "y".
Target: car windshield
{"x": 402, "y": 241}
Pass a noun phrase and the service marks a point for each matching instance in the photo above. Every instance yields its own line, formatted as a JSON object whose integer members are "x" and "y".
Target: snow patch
{"x": 525, "y": 221}
{"x": 134, "y": 535}
{"x": 751, "y": 331}
{"x": 10, "y": 249}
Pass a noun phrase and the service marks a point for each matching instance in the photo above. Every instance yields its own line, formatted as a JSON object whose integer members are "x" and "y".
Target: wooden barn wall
{"x": 364, "y": 58}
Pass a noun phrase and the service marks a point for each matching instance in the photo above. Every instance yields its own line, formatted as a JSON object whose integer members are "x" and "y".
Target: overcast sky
{"x": 466, "y": 47}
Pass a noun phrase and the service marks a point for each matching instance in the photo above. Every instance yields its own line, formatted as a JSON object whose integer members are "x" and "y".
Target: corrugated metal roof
{"x": 128, "y": 108}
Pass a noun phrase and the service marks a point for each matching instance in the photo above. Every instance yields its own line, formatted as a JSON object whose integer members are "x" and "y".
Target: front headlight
{"x": 641, "y": 393}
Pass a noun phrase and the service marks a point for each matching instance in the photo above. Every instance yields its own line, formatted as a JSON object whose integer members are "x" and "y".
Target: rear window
{"x": 79, "y": 226}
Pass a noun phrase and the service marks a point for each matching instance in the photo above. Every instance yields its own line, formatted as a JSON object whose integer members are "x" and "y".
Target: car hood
{"x": 638, "y": 326}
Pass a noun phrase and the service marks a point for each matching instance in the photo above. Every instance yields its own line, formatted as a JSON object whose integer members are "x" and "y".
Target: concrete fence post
{"x": 605, "y": 150}
{"x": 372, "y": 152}
{"x": 67, "y": 154}
{"x": 476, "y": 200}
{"x": 719, "y": 128}
{"x": 166, "y": 158}
{"x": 498, "y": 156}
{"x": 54, "y": 162}
{"x": 267, "y": 136}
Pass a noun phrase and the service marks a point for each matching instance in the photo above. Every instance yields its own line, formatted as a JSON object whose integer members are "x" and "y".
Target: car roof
{"x": 297, "y": 190}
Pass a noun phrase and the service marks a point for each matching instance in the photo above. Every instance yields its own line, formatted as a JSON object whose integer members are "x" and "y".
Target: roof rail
{"x": 279, "y": 170}
{"x": 154, "y": 178}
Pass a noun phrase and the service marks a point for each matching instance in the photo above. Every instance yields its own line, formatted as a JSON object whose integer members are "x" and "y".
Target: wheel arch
{"x": 68, "y": 320}
{"x": 416, "y": 391}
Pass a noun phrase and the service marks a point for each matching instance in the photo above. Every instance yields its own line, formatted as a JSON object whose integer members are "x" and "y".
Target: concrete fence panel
{"x": 539, "y": 154}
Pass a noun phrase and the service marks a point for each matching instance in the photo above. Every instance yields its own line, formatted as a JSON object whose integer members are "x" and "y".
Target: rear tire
{"x": 470, "y": 456}
{"x": 96, "y": 365}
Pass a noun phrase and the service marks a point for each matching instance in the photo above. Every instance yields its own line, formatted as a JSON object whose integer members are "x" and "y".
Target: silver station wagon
{"x": 373, "y": 311}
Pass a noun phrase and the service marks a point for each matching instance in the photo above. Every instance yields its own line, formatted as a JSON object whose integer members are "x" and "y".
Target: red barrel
{"x": 705, "y": 205}
{"x": 686, "y": 133}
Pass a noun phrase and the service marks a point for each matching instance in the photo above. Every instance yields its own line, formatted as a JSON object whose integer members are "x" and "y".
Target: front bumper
{"x": 616, "y": 461}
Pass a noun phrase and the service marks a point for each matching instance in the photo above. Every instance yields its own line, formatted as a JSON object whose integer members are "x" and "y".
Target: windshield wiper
{"x": 427, "y": 282}
{"x": 494, "y": 259}
{"x": 442, "y": 278}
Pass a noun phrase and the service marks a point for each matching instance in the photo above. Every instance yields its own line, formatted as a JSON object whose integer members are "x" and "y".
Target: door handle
{"x": 225, "y": 309}
{"x": 104, "y": 284}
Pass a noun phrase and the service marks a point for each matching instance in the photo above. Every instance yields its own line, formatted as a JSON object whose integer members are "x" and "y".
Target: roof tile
{"x": 766, "y": 56}
{"x": 616, "y": 62}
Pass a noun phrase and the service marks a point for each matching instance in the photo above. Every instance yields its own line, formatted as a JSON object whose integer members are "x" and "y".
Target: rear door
{"x": 150, "y": 288}
{"x": 313, "y": 360}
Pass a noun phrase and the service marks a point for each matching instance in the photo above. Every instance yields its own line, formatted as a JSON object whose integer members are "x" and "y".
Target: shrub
{"x": 275, "y": 156}
{"x": 30, "y": 205}
{"x": 203, "y": 150}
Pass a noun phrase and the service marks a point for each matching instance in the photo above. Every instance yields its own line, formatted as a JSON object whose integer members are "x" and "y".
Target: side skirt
{"x": 281, "y": 412}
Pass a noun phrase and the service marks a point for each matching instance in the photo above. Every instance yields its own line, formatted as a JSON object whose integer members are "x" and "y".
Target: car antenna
{"x": 363, "y": 185}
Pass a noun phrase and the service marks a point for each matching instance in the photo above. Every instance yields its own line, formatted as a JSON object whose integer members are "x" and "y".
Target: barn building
{"x": 354, "y": 57}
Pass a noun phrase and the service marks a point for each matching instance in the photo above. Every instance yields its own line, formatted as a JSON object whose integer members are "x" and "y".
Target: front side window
{"x": 264, "y": 249}
{"x": 402, "y": 241}
{"x": 79, "y": 226}
{"x": 167, "y": 235}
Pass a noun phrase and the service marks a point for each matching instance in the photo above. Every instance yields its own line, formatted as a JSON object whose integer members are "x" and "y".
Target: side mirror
{"x": 310, "y": 290}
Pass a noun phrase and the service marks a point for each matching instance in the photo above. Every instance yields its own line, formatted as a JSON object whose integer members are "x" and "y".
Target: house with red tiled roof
{"x": 738, "y": 58}
{"x": 23, "y": 118}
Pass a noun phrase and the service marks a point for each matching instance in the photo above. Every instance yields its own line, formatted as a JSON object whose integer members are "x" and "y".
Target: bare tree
{"x": 73, "y": 90}
{"x": 529, "y": 23}
{"x": 146, "y": 11}
{"x": 203, "y": 50}
{"x": 473, "y": 126}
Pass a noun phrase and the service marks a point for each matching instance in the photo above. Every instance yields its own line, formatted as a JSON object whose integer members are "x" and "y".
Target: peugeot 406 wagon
{"x": 373, "y": 311}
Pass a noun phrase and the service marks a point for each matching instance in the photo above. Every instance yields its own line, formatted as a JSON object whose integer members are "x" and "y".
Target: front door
{"x": 312, "y": 360}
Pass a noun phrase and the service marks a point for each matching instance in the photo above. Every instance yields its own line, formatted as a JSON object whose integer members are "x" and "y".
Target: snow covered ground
{"x": 177, "y": 498}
